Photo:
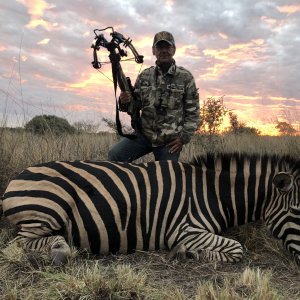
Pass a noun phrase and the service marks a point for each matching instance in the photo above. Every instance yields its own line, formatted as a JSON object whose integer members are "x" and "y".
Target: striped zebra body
{"x": 109, "y": 207}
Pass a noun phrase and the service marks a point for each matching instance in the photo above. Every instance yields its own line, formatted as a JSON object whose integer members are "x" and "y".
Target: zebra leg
{"x": 39, "y": 239}
{"x": 199, "y": 244}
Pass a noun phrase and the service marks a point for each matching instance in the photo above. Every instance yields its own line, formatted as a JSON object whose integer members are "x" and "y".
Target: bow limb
{"x": 138, "y": 58}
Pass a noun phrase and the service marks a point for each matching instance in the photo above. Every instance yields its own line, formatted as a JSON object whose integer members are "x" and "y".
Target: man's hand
{"x": 175, "y": 145}
{"x": 125, "y": 97}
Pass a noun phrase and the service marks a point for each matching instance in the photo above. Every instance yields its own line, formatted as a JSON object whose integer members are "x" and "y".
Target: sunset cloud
{"x": 2, "y": 48}
{"x": 223, "y": 36}
{"x": 36, "y": 10}
{"x": 289, "y": 9}
{"x": 36, "y": 7}
{"x": 238, "y": 52}
{"x": 40, "y": 22}
{"x": 77, "y": 107}
{"x": 250, "y": 53}
{"x": 246, "y": 51}
{"x": 44, "y": 42}
{"x": 91, "y": 80}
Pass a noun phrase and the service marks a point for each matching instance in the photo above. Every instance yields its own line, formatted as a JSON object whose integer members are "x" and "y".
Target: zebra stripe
{"x": 115, "y": 207}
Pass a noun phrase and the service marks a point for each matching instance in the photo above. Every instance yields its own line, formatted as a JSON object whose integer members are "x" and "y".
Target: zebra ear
{"x": 283, "y": 181}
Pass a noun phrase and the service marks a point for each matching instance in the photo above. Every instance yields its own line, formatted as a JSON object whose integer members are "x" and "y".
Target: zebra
{"x": 112, "y": 207}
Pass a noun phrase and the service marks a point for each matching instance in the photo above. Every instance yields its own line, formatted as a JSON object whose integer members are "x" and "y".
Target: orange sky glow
{"x": 247, "y": 65}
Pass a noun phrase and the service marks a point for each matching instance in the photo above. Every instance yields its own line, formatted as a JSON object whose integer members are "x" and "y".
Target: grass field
{"x": 266, "y": 272}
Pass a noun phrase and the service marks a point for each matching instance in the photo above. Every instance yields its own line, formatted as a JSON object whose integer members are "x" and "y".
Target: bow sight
{"x": 119, "y": 78}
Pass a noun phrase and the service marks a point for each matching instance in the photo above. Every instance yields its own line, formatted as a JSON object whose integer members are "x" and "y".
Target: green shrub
{"x": 49, "y": 124}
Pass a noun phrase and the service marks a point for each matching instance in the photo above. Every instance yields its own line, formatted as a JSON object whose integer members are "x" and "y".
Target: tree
{"x": 238, "y": 127}
{"x": 86, "y": 127}
{"x": 285, "y": 128}
{"x": 110, "y": 124}
{"x": 49, "y": 124}
{"x": 113, "y": 126}
{"x": 212, "y": 114}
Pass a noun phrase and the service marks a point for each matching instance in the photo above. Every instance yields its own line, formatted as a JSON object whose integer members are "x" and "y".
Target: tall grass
{"x": 243, "y": 143}
{"x": 266, "y": 272}
{"x": 20, "y": 149}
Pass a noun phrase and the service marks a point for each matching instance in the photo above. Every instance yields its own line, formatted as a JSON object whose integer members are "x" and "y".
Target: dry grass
{"x": 19, "y": 150}
{"x": 266, "y": 272}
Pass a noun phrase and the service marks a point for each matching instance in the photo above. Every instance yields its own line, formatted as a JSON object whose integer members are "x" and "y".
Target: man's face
{"x": 164, "y": 52}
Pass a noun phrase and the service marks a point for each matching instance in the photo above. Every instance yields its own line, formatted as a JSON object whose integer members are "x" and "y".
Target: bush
{"x": 49, "y": 124}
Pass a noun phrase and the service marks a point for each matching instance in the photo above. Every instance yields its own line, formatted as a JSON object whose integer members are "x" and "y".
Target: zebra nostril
{"x": 59, "y": 258}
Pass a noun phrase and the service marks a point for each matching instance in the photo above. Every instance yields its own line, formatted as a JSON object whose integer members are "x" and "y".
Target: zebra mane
{"x": 212, "y": 160}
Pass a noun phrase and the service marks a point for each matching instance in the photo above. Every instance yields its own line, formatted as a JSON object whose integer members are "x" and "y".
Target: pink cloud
{"x": 44, "y": 42}
{"x": 2, "y": 48}
{"x": 36, "y": 10}
{"x": 36, "y": 7}
{"x": 76, "y": 107}
{"x": 289, "y": 9}
{"x": 235, "y": 54}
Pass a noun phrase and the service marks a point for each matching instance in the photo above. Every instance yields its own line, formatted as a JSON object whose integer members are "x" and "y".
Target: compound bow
{"x": 119, "y": 78}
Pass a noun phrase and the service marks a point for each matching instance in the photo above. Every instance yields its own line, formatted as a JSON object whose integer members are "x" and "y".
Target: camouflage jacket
{"x": 169, "y": 104}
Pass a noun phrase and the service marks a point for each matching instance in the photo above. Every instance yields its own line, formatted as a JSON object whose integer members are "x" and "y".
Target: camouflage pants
{"x": 127, "y": 150}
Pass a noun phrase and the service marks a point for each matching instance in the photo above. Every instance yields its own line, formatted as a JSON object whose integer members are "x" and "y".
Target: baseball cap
{"x": 164, "y": 36}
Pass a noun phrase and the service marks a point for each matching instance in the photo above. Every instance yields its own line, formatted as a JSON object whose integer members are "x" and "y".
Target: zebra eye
{"x": 57, "y": 246}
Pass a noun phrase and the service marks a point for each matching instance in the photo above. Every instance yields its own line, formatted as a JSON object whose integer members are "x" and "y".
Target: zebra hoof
{"x": 178, "y": 252}
{"x": 59, "y": 259}
{"x": 193, "y": 255}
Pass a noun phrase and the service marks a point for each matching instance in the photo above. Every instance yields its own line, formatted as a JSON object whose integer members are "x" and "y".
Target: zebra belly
{"x": 109, "y": 237}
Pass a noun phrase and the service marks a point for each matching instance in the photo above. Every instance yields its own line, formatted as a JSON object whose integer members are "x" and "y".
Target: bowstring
{"x": 106, "y": 62}
{"x": 140, "y": 69}
{"x": 105, "y": 75}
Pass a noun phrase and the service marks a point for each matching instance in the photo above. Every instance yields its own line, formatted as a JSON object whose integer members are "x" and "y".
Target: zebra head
{"x": 283, "y": 215}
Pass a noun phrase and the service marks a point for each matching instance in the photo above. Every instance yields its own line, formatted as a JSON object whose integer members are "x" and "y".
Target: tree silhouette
{"x": 212, "y": 114}
{"x": 285, "y": 128}
{"x": 238, "y": 127}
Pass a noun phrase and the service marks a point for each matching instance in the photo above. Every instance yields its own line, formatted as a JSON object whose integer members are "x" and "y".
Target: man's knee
{"x": 127, "y": 150}
{"x": 118, "y": 153}
{"x": 112, "y": 155}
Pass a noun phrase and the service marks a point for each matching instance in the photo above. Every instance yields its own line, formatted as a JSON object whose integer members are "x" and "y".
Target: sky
{"x": 245, "y": 51}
